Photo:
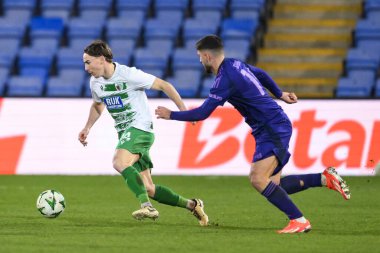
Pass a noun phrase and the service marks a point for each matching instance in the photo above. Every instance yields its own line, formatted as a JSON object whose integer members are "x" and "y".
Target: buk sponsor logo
{"x": 113, "y": 102}
{"x": 316, "y": 142}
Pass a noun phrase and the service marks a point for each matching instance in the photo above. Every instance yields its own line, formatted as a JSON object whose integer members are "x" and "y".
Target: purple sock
{"x": 278, "y": 197}
{"x": 292, "y": 184}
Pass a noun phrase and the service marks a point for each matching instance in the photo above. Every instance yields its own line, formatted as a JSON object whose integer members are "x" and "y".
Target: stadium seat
{"x": 213, "y": 17}
{"x": 349, "y": 88}
{"x": 209, "y": 5}
{"x": 122, "y": 44}
{"x": 361, "y": 59}
{"x": 372, "y": 9}
{"x": 19, "y": 4}
{"x": 147, "y": 58}
{"x": 250, "y": 5}
{"x": 367, "y": 30}
{"x": 132, "y": 5}
{"x": 101, "y": 15}
{"x": 123, "y": 28}
{"x": 21, "y": 16}
{"x": 70, "y": 58}
{"x": 237, "y": 48}
{"x": 40, "y": 72}
{"x": 136, "y": 15}
{"x": 161, "y": 29}
{"x": 35, "y": 57}
{"x": 238, "y": 28}
{"x": 246, "y": 14}
{"x": 50, "y": 44}
{"x": 57, "y": 8}
{"x": 164, "y": 45}
{"x": 175, "y": 16}
{"x": 42, "y": 27}
{"x": 206, "y": 86}
{"x": 186, "y": 58}
{"x": 9, "y": 51}
{"x": 195, "y": 29}
{"x": 68, "y": 83}
{"x": 82, "y": 28}
{"x": 365, "y": 77}
{"x": 95, "y": 4}
{"x": 11, "y": 29}
{"x": 171, "y": 5}
{"x": 186, "y": 82}
{"x": 25, "y": 86}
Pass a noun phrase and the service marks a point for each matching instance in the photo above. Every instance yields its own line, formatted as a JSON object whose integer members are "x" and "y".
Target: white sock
{"x": 323, "y": 180}
{"x": 301, "y": 219}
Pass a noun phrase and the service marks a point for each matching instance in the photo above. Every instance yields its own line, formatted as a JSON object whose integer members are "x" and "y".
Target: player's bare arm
{"x": 96, "y": 110}
{"x": 170, "y": 91}
{"x": 289, "y": 97}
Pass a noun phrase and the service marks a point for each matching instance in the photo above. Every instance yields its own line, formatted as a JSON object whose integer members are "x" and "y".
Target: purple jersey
{"x": 243, "y": 86}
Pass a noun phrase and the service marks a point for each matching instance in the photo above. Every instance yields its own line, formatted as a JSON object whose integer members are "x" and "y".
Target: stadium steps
{"x": 306, "y": 42}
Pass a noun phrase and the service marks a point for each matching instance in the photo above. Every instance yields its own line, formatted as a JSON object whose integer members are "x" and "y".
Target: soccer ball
{"x": 51, "y": 203}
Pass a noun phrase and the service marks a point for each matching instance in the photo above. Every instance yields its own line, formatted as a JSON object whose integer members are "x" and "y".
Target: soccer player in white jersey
{"x": 121, "y": 89}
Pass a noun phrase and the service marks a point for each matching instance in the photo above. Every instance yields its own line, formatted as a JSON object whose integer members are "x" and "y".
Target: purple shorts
{"x": 274, "y": 140}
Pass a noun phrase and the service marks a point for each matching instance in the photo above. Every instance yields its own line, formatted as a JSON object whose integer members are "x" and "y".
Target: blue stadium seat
{"x": 246, "y": 14}
{"x": 209, "y": 4}
{"x": 213, "y": 17}
{"x": 361, "y": 59}
{"x": 348, "y": 87}
{"x": 195, "y": 29}
{"x": 237, "y": 48}
{"x": 238, "y": 28}
{"x": 59, "y": 87}
{"x": 69, "y": 83}
{"x": 9, "y": 51}
{"x": 87, "y": 89}
{"x": 132, "y": 5}
{"x": 367, "y": 30}
{"x": 4, "y": 73}
{"x": 35, "y": 57}
{"x": 70, "y": 58}
{"x": 186, "y": 58}
{"x": 62, "y": 14}
{"x": 206, "y": 86}
{"x": 11, "y": 29}
{"x": 80, "y": 43}
{"x": 161, "y": 29}
{"x": 23, "y": 86}
{"x": 57, "y": 8}
{"x": 187, "y": 82}
{"x": 95, "y": 4}
{"x": 372, "y": 9}
{"x": 148, "y": 58}
{"x": 123, "y": 28}
{"x": 41, "y": 27}
{"x": 101, "y": 15}
{"x": 165, "y": 46}
{"x": 20, "y": 16}
{"x": 364, "y": 77}
{"x": 19, "y": 4}
{"x": 82, "y": 28}
{"x": 171, "y": 5}
{"x": 136, "y": 15}
{"x": 39, "y": 72}
{"x": 251, "y": 5}
{"x": 122, "y": 44}
{"x": 50, "y": 44}
{"x": 175, "y": 16}
{"x": 371, "y": 46}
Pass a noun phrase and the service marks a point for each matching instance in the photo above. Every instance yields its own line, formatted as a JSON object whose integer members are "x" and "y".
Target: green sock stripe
{"x": 135, "y": 183}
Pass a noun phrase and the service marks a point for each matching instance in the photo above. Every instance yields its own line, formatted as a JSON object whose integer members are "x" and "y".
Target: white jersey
{"x": 125, "y": 98}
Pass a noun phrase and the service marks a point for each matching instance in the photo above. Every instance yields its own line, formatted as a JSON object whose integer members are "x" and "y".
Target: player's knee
{"x": 120, "y": 165}
{"x": 256, "y": 180}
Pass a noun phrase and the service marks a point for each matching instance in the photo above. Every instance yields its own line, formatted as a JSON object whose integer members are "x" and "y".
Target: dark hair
{"x": 211, "y": 42}
{"x": 99, "y": 48}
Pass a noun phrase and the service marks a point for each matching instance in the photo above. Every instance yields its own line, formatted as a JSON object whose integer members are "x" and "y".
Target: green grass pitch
{"x": 98, "y": 217}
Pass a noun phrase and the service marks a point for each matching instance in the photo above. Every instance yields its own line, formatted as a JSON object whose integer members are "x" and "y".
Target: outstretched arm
{"x": 196, "y": 114}
{"x": 96, "y": 110}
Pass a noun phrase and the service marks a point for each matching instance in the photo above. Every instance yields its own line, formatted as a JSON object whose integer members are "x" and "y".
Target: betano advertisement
{"x": 40, "y": 136}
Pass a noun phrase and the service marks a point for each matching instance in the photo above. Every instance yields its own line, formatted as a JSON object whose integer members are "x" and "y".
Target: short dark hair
{"x": 99, "y": 48}
{"x": 211, "y": 42}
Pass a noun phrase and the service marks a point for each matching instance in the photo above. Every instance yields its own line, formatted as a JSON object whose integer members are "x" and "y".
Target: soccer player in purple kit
{"x": 244, "y": 86}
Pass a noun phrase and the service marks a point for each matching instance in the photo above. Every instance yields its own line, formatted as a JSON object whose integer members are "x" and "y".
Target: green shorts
{"x": 139, "y": 142}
